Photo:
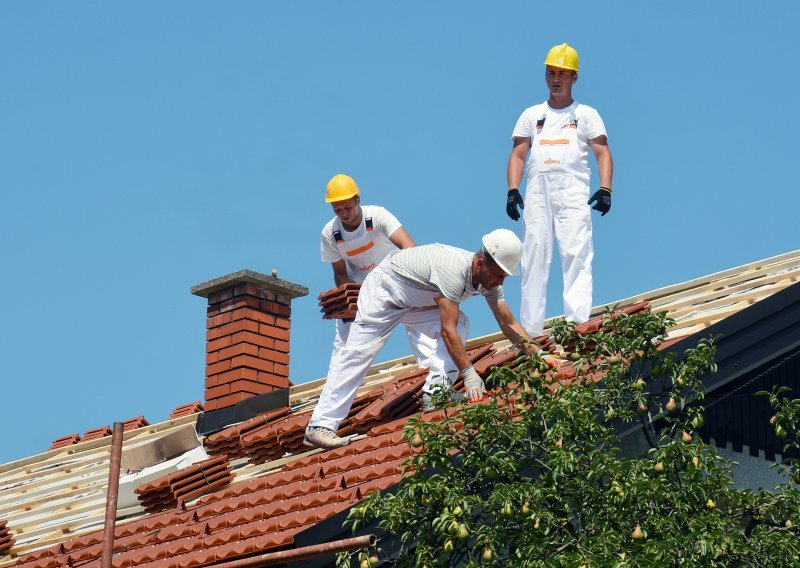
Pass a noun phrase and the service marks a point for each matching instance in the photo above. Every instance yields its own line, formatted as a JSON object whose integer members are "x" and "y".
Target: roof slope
{"x": 51, "y": 504}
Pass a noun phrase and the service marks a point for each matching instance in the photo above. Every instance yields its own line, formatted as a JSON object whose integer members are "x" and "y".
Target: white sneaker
{"x": 320, "y": 437}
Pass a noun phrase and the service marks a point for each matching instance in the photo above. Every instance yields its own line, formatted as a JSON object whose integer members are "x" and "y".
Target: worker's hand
{"x": 514, "y": 200}
{"x": 472, "y": 383}
{"x": 532, "y": 349}
{"x": 602, "y": 197}
{"x": 551, "y": 360}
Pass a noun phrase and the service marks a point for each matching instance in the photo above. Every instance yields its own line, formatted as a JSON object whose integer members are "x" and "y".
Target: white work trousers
{"x": 556, "y": 204}
{"x": 424, "y": 344}
{"x": 384, "y": 302}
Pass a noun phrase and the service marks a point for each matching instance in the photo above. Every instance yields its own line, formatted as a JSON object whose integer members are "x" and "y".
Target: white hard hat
{"x": 505, "y": 248}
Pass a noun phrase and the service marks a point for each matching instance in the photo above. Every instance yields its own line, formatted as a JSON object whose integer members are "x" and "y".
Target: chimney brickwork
{"x": 247, "y": 335}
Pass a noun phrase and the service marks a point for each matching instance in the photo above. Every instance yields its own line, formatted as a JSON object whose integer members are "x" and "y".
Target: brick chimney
{"x": 247, "y": 349}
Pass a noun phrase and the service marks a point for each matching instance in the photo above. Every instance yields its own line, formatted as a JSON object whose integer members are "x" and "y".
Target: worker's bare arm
{"x": 448, "y": 313}
{"x": 340, "y": 275}
{"x": 516, "y": 161}
{"x": 510, "y": 327}
{"x": 401, "y": 239}
{"x": 605, "y": 164}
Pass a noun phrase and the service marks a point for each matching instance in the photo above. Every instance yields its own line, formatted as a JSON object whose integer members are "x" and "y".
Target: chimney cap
{"x": 291, "y": 289}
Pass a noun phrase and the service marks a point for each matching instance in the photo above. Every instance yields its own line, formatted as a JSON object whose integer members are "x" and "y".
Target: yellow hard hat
{"x": 562, "y": 56}
{"x": 341, "y": 187}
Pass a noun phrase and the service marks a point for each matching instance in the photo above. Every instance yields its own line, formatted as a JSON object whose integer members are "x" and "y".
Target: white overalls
{"x": 556, "y": 204}
{"x": 384, "y": 302}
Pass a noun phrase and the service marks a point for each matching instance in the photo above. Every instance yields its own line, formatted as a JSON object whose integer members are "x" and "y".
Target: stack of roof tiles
{"x": 341, "y": 302}
{"x": 186, "y": 410}
{"x": 229, "y": 440}
{"x": 184, "y": 485}
{"x": 6, "y": 538}
{"x": 96, "y": 433}
{"x": 64, "y": 441}
{"x": 133, "y": 423}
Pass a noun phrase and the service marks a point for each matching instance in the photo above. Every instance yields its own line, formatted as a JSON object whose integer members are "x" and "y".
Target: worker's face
{"x": 560, "y": 81}
{"x": 348, "y": 210}
{"x": 490, "y": 275}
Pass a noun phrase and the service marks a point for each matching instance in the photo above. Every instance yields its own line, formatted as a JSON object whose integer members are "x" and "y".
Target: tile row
{"x": 172, "y": 490}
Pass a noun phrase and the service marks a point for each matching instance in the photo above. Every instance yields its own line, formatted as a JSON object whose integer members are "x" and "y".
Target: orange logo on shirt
{"x": 551, "y": 162}
{"x": 359, "y": 250}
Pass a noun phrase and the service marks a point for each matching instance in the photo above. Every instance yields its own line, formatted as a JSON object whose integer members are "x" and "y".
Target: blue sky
{"x": 146, "y": 147}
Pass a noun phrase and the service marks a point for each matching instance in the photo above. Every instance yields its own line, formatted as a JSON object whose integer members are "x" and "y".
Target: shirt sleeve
{"x": 327, "y": 247}
{"x": 594, "y": 124}
{"x": 449, "y": 280}
{"x": 385, "y": 221}
{"x": 523, "y": 127}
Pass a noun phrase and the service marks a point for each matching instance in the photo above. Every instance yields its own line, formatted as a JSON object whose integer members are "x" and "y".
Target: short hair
{"x": 489, "y": 259}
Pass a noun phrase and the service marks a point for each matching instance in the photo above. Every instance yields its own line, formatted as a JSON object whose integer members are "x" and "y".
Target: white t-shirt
{"x": 559, "y": 138}
{"x": 443, "y": 269}
{"x": 362, "y": 249}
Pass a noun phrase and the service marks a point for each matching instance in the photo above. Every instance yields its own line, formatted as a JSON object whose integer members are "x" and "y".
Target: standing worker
{"x": 420, "y": 287}
{"x": 355, "y": 241}
{"x": 558, "y": 133}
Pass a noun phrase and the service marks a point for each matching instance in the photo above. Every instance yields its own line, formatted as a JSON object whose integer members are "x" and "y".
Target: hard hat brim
{"x": 341, "y": 197}
{"x": 508, "y": 272}
{"x": 565, "y": 67}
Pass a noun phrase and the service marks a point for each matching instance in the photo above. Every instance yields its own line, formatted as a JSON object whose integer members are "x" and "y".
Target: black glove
{"x": 514, "y": 200}
{"x": 603, "y": 198}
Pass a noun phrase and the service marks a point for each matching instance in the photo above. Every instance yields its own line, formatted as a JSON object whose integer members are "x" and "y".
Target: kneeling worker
{"x": 407, "y": 287}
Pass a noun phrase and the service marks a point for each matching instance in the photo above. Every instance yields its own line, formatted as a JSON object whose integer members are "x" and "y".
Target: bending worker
{"x": 355, "y": 241}
{"x": 558, "y": 134}
{"x": 422, "y": 285}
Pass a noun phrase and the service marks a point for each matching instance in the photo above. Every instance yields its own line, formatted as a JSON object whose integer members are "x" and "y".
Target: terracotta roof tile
{"x": 594, "y": 324}
{"x": 477, "y": 352}
{"x": 494, "y": 359}
{"x": 96, "y": 433}
{"x": 341, "y": 302}
{"x": 338, "y": 290}
{"x": 187, "y": 409}
{"x": 189, "y": 483}
{"x": 133, "y": 423}
{"x": 229, "y": 440}
{"x": 65, "y": 441}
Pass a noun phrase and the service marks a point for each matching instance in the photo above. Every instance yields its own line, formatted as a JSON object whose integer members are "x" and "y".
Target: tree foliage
{"x": 535, "y": 477}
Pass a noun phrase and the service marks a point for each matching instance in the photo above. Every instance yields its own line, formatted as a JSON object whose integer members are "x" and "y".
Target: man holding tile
{"x": 355, "y": 241}
{"x": 421, "y": 286}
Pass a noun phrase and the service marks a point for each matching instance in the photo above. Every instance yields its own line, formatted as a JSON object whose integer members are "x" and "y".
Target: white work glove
{"x": 472, "y": 383}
